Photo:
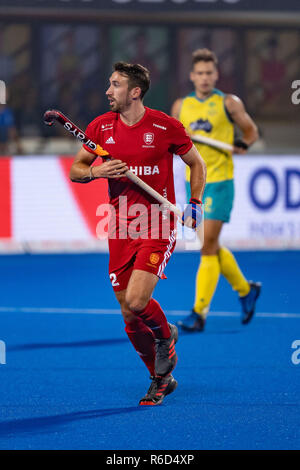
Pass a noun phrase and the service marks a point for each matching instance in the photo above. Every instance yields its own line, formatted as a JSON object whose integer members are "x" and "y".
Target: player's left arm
{"x": 241, "y": 118}
{"x": 192, "y": 215}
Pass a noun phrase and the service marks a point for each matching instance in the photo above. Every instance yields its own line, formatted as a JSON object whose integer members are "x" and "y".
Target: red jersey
{"x": 147, "y": 147}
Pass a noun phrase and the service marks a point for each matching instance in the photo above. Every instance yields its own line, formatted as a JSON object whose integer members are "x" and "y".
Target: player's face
{"x": 118, "y": 94}
{"x": 204, "y": 77}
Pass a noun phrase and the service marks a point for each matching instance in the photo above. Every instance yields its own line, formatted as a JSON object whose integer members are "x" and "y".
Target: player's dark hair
{"x": 138, "y": 76}
{"x": 204, "y": 55}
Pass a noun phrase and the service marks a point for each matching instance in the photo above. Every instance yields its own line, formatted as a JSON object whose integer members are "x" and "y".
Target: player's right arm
{"x": 82, "y": 170}
{"x": 176, "y": 107}
{"x": 192, "y": 215}
{"x": 198, "y": 172}
{"x": 175, "y": 111}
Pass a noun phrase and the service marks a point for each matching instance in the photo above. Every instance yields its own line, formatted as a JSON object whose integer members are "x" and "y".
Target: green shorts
{"x": 217, "y": 200}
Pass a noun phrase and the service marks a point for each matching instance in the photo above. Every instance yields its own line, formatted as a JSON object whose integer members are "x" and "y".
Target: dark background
{"x": 60, "y": 54}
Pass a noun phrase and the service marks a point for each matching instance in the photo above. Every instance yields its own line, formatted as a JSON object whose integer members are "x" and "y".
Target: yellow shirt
{"x": 209, "y": 117}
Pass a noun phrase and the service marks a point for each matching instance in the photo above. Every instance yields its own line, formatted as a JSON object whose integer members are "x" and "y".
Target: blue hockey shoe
{"x": 249, "y": 302}
{"x": 193, "y": 322}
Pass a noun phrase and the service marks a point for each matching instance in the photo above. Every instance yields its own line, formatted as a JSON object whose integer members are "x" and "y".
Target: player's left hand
{"x": 193, "y": 213}
{"x": 240, "y": 147}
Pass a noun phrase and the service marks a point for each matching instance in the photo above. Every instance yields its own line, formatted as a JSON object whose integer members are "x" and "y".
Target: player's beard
{"x": 119, "y": 107}
{"x": 113, "y": 105}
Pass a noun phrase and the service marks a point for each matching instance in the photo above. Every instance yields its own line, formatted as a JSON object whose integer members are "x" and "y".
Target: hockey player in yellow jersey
{"x": 209, "y": 112}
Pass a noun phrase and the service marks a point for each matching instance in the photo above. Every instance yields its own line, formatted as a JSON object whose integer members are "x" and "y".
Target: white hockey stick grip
{"x": 212, "y": 142}
{"x": 135, "y": 179}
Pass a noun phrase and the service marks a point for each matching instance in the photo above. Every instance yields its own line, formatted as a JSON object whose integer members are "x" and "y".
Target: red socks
{"x": 148, "y": 325}
{"x": 155, "y": 319}
{"x": 143, "y": 342}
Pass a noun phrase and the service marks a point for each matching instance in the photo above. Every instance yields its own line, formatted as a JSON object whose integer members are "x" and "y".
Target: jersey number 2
{"x": 113, "y": 279}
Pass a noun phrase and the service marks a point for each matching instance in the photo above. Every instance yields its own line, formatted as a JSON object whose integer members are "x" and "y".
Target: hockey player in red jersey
{"x": 142, "y": 236}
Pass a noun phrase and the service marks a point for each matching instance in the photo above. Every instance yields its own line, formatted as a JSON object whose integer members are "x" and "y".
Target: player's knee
{"x": 210, "y": 240}
{"x": 136, "y": 303}
{"x": 211, "y": 246}
{"x": 128, "y": 316}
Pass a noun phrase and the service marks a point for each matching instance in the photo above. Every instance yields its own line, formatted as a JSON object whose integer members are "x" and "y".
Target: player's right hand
{"x": 110, "y": 169}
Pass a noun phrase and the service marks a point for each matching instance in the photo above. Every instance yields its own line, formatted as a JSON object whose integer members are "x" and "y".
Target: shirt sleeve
{"x": 180, "y": 140}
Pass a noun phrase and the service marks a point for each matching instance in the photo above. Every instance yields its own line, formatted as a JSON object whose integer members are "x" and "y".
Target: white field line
{"x": 108, "y": 311}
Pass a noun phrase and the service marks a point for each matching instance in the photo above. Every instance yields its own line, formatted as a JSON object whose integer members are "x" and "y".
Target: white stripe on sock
{"x": 172, "y": 239}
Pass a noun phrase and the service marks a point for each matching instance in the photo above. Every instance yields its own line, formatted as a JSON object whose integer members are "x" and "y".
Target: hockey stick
{"x": 53, "y": 115}
{"x": 212, "y": 142}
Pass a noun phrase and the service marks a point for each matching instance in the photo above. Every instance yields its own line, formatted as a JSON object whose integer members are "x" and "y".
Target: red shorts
{"x": 148, "y": 255}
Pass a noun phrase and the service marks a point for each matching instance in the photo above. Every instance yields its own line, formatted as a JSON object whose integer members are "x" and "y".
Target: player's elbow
{"x": 73, "y": 175}
{"x": 254, "y": 133}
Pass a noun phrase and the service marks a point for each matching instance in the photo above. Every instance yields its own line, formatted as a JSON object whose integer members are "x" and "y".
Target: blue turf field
{"x": 72, "y": 380}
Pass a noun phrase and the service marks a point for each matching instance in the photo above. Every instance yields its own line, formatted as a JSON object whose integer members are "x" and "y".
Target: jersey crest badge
{"x": 154, "y": 258}
{"x": 148, "y": 138}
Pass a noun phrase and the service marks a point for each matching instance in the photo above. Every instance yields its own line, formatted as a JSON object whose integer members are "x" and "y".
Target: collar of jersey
{"x": 137, "y": 123}
{"x": 214, "y": 92}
